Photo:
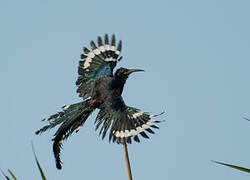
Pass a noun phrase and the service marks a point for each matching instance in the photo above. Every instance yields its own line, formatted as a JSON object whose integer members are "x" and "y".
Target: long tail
{"x": 71, "y": 119}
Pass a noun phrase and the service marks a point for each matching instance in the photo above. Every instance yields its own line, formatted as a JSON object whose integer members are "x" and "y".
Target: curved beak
{"x": 134, "y": 70}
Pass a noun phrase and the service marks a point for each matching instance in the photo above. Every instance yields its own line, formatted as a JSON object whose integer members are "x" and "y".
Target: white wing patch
{"x": 107, "y": 47}
{"x": 137, "y": 114}
{"x": 134, "y": 132}
{"x": 47, "y": 118}
{"x": 98, "y": 51}
{"x": 66, "y": 107}
{"x": 102, "y": 49}
{"x": 117, "y": 52}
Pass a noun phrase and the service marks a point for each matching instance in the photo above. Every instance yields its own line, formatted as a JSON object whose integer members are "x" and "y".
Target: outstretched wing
{"x": 124, "y": 122}
{"x": 97, "y": 63}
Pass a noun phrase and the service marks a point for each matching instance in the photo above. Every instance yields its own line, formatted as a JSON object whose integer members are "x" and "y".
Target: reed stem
{"x": 127, "y": 161}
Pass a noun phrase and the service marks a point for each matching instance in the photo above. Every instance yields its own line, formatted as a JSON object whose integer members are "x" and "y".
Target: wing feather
{"x": 98, "y": 62}
{"x": 123, "y": 122}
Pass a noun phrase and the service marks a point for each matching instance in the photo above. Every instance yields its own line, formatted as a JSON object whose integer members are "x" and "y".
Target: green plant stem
{"x": 127, "y": 161}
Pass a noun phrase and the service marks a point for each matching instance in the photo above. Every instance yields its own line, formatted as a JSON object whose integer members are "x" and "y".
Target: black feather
{"x": 144, "y": 134}
{"x": 99, "y": 41}
{"x": 107, "y": 52}
{"x": 57, "y": 150}
{"x": 86, "y": 50}
{"x": 92, "y": 44}
{"x": 129, "y": 140}
{"x": 150, "y": 130}
{"x": 83, "y": 56}
{"x": 106, "y": 39}
{"x": 154, "y": 126}
{"x": 113, "y": 40}
{"x": 120, "y": 58}
{"x": 119, "y": 47}
{"x": 136, "y": 138}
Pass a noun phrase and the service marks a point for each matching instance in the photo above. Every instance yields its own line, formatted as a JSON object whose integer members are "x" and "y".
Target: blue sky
{"x": 196, "y": 56}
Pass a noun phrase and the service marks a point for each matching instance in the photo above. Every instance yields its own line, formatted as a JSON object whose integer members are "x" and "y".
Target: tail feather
{"x": 62, "y": 133}
{"x": 71, "y": 119}
{"x": 58, "y": 118}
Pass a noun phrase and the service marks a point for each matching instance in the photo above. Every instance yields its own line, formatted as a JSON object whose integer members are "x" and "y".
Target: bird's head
{"x": 123, "y": 73}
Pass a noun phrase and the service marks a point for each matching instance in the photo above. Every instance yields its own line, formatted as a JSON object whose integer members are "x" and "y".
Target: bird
{"x": 101, "y": 89}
